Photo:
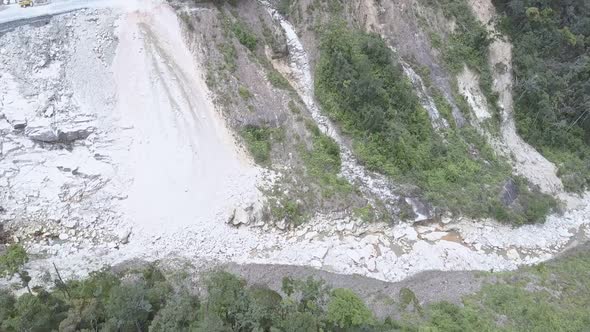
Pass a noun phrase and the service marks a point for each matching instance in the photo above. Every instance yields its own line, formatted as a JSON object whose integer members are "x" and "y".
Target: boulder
{"x": 434, "y": 236}
{"x": 124, "y": 234}
{"x": 44, "y": 134}
{"x": 70, "y": 223}
{"x": 281, "y": 224}
{"x": 255, "y": 212}
{"x": 74, "y": 134}
{"x": 239, "y": 217}
{"x": 421, "y": 210}
{"x": 512, "y": 254}
{"x": 19, "y": 124}
{"x": 42, "y": 131}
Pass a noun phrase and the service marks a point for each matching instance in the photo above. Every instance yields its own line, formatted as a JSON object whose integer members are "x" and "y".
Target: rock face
{"x": 279, "y": 46}
{"x": 509, "y": 192}
{"x": 42, "y": 133}
{"x": 249, "y": 215}
{"x": 47, "y": 134}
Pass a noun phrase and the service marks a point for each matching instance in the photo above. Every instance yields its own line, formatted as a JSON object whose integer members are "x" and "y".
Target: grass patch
{"x": 293, "y": 107}
{"x": 285, "y": 208}
{"x": 444, "y": 108}
{"x": 552, "y": 296}
{"x": 365, "y": 213}
{"x": 244, "y": 93}
{"x": 229, "y": 56}
{"x": 277, "y": 80}
{"x": 244, "y": 35}
{"x": 259, "y": 142}
{"x": 323, "y": 163}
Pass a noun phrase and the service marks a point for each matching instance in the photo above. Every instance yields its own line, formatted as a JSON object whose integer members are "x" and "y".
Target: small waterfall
{"x": 371, "y": 184}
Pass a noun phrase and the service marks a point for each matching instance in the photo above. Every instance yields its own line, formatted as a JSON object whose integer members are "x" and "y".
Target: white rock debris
{"x": 528, "y": 162}
{"x": 112, "y": 150}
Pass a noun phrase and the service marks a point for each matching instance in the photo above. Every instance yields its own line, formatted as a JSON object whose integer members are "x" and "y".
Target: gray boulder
{"x": 44, "y": 134}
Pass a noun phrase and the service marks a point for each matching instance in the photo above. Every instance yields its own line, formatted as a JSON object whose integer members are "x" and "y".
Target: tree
{"x": 128, "y": 308}
{"x": 346, "y": 310}
{"x": 228, "y": 300}
{"x": 12, "y": 260}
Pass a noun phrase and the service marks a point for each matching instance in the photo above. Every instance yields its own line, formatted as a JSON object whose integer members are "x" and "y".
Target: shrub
{"x": 244, "y": 35}
{"x": 551, "y": 59}
{"x": 244, "y": 93}
{"x": 12, "y": 260}
{"x": 284, "y": 6}
{"x": 346, "y": 309}
{"x": 277, "y": 80}
{"x": 360, "y": 86}
{"x": 259, "y": 142}
{"x": 323, "y": 163}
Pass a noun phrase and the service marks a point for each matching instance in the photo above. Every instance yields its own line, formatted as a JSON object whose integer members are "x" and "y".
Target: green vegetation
{"x": 244, "y": 35}
{"x": 365, "y": 213}
{"x": 360, "y": 86}
{"x": 12, "y": 260}
{"x": 284, "y": 6}
{"x": 229, "y": 56}
{"x": 467, "y": 45}
{"x": 551, "y": 59}
{"x": 346, "y": 310}
{"x": 444, "y": 108}
{"x": 259, "y": 141}
{"x": 553, "y": 296}
{"x": 323, "y": 163}
{"x": 244, "y": 92}
{"x": 277, "y": 80}
{"x": 145, "y": 300}
{"x": 318, "y": 181}
{"x": 293, "y": 107}
{"x": 287, "y": 209}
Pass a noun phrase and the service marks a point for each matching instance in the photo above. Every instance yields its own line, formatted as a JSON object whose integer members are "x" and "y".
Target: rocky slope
{"x": 124, "y": 137}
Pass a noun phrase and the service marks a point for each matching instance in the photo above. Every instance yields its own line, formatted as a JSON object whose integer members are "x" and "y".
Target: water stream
{"x": 371, "y": 184}
{"x": 425, "y": 99}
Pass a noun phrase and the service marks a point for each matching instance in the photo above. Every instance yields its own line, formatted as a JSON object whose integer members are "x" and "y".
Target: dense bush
{"x": 146, "y": 301}
{"x": 552, "y": 80}
{"x": 552, "y": 296}
{"x": 359, "y": 84}
{"x": 284, "y": 6}
{"x": 12, "y": 260}
{"x": 322, "y": 162}
{"x": 346, "y": 309}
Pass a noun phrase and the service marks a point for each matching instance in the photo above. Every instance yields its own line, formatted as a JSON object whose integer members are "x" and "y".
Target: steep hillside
{"x": 379, "y": 138}
{"x": 551, "y": 68}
